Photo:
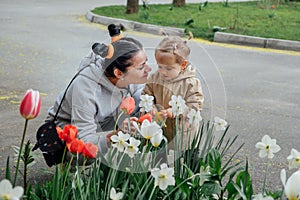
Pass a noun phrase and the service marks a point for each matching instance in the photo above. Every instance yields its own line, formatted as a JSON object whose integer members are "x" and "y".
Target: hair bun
{"x": 100, "y": 49}
{"x": 115, "y": 30}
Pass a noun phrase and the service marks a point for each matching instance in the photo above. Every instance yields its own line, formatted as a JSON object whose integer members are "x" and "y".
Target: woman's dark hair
{"x": 119, "y": 53}
{"x": 123, "y": 52}
{"x": 115, "y": 30}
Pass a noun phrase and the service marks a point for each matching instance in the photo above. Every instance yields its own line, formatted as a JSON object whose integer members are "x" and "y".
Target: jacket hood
{"x": 189, "y": 72}
{"x": 95, "y": 73}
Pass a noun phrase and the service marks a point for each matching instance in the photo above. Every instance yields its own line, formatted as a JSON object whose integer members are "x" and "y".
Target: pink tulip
{"x": 30, "y": 104}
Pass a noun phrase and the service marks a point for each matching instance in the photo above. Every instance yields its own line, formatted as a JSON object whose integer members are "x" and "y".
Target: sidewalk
{"x": 220, "y": 37}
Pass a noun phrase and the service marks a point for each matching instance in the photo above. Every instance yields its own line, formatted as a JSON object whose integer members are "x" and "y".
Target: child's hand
{"x": 167, "y": 113}
{"x": 153, "y": 111}
{"x": 127, "y": 126}
{"x": 108, "y": 136}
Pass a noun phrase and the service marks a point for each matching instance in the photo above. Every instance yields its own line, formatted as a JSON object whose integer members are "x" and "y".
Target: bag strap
{"x": 65, "y": 93}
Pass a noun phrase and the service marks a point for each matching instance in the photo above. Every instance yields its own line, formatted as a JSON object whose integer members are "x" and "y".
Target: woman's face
{"x": 138, "y": 72}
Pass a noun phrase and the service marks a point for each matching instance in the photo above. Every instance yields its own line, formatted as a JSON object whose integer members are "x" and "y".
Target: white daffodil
{"x": 220, "y": 124}
{"x": 157, "y": 138}
{"x": 120, "y": 141}
{"x": 148, "y": 129}
{"x": 194, "y": 116}
{"x": 267, "y": 147}
{"x": 261, "y": 197}
{"x": 163, "y": 176}
{"x": 294, "y": 159}
{"x": 114, "y": 195}
{"x": 8, "y": 192}
{"x": 177, "y": 104}
{"x": 146, "y": 103}
{"x": 132, "y": 147}
{"x": 292, "y": 186}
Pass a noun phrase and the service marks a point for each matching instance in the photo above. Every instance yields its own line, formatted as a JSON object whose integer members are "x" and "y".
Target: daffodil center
{"x": 163, "y": 176}
{"x": 267, "y": 147}
{"x": 130, "y": 147}
{"x": 5, "y": 196}
{"x": 297, "y": 160}
{"x": 294, "y": 198}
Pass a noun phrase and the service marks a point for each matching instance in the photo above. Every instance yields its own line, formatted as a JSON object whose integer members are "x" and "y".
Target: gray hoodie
{"x": 92, "y": 104}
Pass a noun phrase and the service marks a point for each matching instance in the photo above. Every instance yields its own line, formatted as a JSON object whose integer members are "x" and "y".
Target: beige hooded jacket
{"x": 188, "y": 87}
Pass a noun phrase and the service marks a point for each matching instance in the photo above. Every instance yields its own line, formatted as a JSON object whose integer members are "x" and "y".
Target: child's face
{"x": 168, "y": 68}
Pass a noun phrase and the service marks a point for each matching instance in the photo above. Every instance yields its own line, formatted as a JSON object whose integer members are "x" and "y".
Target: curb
{"x": 220, "y": 37}
{"x": 256, "y": 41}
{"x": 137, "y": 26}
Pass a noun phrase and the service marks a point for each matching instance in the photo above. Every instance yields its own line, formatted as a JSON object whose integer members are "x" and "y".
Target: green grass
{"x": 246, "y": 18}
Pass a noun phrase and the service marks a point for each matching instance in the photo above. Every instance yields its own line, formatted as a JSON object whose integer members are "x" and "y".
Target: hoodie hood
{"x": 95, "y": 73}
{"x": 189, "y": 72}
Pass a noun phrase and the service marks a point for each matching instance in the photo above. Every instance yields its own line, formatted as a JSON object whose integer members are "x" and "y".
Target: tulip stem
{"x": 20, "y": 152}
{"x": 117, "y": 121}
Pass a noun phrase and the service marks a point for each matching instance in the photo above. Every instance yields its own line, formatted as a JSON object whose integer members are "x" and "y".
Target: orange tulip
{"x": 127, "y": 105}
{"x": 30, "y": 104}
{"x": 90, "y": 150}
{"x": 147, "y": 116}
{"x": 76, "y": 146}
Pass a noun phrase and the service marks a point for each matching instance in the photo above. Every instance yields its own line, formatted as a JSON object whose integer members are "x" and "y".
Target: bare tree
{"x": 132, "y": 6}
{"x": 178, "y": 3}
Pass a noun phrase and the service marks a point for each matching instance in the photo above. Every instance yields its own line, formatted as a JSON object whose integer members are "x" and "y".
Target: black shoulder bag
{"x": 48, "y": 142}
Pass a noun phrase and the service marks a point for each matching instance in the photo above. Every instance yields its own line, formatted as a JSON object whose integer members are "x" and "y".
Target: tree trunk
{"x": 178, "y": 3}
{"x": 132, "y": 6}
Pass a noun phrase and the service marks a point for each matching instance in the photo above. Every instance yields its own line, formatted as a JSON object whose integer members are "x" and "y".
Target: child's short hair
{"x": 174, "y": 45}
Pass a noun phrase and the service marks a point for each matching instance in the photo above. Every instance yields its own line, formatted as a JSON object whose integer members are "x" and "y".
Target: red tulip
{"x": 30, "y": 104}
{"x": 147, "y": 116}
{"x": 68, "y": 134}
{"x": 128, "y": 105}
{"x": 76, "y": 146}
{"x": 90, "y": 150}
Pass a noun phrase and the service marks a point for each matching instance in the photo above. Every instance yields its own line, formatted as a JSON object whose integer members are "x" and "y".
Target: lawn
{"x": 269, "y": 19}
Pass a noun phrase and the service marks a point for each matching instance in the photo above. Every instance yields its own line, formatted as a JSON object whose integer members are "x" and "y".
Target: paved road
{"x": 42, "y": 42}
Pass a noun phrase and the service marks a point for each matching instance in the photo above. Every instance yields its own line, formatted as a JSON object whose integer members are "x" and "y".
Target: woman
{"x": 92, "y": 101}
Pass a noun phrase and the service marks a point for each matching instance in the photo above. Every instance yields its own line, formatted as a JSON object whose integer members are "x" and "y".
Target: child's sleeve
{"x": 194, "y": 96}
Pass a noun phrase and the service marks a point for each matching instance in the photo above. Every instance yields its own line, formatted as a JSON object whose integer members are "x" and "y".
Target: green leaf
{"x": 276, "y": 194}
{"x": 182, "y": 183}
{"x": 7, "y": 171}
{"x": 180, "y": 195}
{"x": 218, "y": 28}
{"x": 189, "y": 172}
{"x": 244, "y": 179}
{"x": 202, "y": 5}
{"x": 214, "y": 161}
{"x": 231, "y": 190}
{"x": 188, "y": 22}
{"x": 240, "y": 191}
{"x": 210, "y": 188}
